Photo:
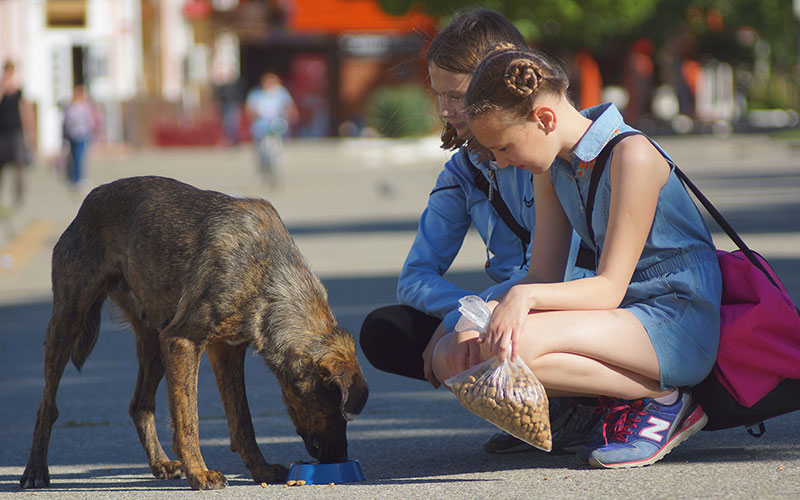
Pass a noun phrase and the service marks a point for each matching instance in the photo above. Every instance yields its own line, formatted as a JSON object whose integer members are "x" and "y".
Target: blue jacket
{"x": 454, "y": 204}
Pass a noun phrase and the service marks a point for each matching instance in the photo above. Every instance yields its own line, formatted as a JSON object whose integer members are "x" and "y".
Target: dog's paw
{"x": 208, "y": 480}
{"x": 168, "y": 469}
{"x": 274, "y": 473}
{"x": 35, "y": 477}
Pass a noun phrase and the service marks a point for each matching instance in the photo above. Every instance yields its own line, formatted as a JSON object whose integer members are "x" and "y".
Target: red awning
{"x": 335, "y": 16}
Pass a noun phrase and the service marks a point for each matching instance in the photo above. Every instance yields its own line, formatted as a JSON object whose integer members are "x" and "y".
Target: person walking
{"x": 272, "y": 112}
{"x": 14, "y": 131}
{"x": 229, "y": 94}
{"x": 81, "y": 124}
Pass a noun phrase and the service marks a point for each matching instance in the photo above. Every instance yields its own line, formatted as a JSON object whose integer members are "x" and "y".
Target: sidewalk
{"x": 372, "y": 188}
{"x": 366, "y": 189}
{"x": 352, "y": 206}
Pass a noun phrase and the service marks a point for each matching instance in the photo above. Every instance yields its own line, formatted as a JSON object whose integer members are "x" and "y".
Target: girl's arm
{"x": 638, "y": 171}
{"x": 440, "y": 235}
{"x": 552, "y": 235}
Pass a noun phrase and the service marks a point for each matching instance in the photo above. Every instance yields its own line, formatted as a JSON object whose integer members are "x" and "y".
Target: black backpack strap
{"x": 757, "y": 429}
{"x": 482, "y": 183}
{"x": 720, "y": 220}
{"x": 597, "y": 172}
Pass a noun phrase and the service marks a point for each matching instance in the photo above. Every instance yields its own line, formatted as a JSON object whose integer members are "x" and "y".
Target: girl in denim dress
{"x": 644, "y": 327}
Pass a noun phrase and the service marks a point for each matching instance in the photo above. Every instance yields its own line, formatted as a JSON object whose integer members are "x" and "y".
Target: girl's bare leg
{"x": 575, "y": 352}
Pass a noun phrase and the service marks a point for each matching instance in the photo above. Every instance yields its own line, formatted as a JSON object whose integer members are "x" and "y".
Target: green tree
{"x": 566, "y": 23}
{"x": 605, "y": 26}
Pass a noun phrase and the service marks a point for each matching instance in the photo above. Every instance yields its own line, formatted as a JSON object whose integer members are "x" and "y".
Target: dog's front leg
{"x": 228, "y": 364}
{"x": 182, "y": 363}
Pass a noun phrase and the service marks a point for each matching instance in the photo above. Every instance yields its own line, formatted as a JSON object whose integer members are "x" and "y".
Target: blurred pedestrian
{"x": 272, "y": 112}
{"x": 81, "y": 125}
{"x": 230, "y": 95}
{"x": 13, "y": 134}
{"x": 637, "y": 79}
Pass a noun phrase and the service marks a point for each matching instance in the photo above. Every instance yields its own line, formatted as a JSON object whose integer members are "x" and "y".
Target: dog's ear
{"x": 354, "y": 394}
{"x": 353, "y": 388}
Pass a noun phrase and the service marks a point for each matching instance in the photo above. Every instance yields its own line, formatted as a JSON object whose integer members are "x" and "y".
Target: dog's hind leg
{"x": 143, "y": 404}
{"x": 72, "y": 331}
{"x": 227, "y": 361}
{"x": 182, "y": 363}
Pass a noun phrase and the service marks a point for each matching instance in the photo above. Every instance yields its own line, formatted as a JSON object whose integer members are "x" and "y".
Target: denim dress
{"x": 676, "y": 286}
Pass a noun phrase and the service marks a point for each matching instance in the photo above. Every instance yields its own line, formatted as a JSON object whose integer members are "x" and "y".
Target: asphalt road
{"x": 352, "y": 208}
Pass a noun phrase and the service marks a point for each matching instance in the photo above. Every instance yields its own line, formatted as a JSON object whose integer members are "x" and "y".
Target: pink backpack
{"x": 757, "y": 373}
{"x": 760, "y": 337}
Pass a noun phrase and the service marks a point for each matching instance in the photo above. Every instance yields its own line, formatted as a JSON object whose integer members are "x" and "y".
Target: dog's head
{"x": 325, "y": 391}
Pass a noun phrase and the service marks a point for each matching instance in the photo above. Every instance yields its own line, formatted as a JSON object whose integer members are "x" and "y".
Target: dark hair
{"x": 510, "y": 79}
{"x": 461, "y": 45}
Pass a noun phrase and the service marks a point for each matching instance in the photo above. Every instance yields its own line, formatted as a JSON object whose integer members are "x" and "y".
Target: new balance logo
{"x": 653, "y": 431}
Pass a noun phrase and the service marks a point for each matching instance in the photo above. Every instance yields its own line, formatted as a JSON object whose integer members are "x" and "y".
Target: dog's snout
{"x": 313, "y": 445}
{"x": 316, "y": 446}
{"x": 325, "y": 449}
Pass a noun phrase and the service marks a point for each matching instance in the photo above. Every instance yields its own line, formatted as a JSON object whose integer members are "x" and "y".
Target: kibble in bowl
{"x": 508, "y": 395}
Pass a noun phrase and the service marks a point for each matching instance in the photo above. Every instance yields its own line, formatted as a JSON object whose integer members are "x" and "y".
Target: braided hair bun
{"x": 512, "y": 80}
{"x": 522, "y": 77}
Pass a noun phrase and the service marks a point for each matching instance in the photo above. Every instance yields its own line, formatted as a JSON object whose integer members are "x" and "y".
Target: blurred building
{"x": 152, "y": 64}
{"x": 59, "y": 44}
{"x": 330, "y": 53}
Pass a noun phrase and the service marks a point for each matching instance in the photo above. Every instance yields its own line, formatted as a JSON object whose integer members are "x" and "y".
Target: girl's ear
{"x": 546, "y": 118}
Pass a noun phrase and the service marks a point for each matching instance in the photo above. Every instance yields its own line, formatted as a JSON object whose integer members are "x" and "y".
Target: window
{"x": 66, "y": 13}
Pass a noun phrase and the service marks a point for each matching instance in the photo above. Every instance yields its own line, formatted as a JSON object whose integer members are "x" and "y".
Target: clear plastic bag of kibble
{"x": 504, "y": 393}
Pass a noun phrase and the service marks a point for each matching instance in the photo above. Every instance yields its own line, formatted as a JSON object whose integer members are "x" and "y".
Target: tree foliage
{"x": 573, "y": 23}
{"x": 603, "y": 25}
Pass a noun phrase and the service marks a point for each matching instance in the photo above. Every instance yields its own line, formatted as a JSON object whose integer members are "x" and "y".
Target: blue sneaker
{"x": 605, "y": 415}
{"x": 646, "y": 430}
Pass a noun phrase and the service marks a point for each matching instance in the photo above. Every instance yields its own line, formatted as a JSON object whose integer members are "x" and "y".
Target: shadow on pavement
{"x": 407, "y": 433}
{"x": 353, "y": 227}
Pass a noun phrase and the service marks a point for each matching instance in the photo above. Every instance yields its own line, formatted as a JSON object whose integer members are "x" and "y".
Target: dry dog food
{"x": 509, "y": 396}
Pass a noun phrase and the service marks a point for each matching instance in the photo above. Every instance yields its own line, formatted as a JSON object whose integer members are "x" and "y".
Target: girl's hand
{"x": 456, "y": 352}
{"x": 506, "y": 324}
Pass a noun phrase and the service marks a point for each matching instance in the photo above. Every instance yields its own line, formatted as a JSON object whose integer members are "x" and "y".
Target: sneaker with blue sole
{"x": 646, "y": 430}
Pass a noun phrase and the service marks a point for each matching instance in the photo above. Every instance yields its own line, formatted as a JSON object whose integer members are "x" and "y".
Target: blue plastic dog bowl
{"x": 344, "y": 472}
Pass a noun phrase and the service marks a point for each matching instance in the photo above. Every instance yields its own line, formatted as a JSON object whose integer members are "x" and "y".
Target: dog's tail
{"x": 87, "y": 336}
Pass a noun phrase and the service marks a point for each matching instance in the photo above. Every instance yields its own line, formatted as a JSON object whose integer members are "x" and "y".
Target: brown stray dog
{"x": 197, "y": 271}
